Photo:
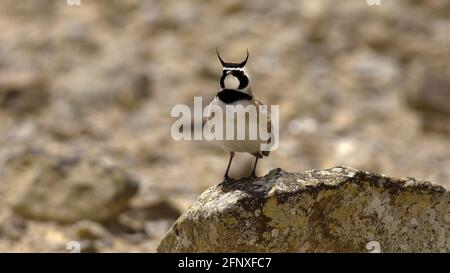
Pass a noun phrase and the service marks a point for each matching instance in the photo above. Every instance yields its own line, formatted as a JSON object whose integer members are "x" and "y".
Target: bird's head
{"x": 235, "y": 76}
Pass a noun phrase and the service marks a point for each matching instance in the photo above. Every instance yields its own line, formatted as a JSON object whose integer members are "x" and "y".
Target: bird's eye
{"x": 237, "y": 73}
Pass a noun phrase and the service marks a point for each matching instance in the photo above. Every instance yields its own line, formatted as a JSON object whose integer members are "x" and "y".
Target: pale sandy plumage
{"x": 247, "y": 145}
{"x": 236, "y": 91}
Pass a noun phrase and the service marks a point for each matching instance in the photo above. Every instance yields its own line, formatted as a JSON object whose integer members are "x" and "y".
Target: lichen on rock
{"x": 331, "y": 210}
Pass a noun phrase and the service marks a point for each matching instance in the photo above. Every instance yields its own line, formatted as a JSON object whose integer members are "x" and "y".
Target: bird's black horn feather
{"x": 245, "y": 61}
{"x": 218, "y": 55}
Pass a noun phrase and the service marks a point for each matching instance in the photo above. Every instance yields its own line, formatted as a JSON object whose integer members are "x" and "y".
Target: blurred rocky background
{"x": 86, "y": 92}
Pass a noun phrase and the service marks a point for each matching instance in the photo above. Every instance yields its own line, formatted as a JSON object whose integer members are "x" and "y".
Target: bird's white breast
{"x": 235, "y": 145}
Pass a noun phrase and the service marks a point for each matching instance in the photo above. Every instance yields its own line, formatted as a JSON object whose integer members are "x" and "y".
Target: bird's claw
{"x": 226, "y": 179}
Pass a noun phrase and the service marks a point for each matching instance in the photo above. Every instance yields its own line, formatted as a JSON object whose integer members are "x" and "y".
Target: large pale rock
{"x": 332, "y": 210}
{"x": 42, "y": 186}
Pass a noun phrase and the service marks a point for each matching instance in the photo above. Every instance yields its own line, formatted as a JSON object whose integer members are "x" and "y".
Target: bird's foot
{"x": 227, "y": 179}
{"x": 252, "y": 175}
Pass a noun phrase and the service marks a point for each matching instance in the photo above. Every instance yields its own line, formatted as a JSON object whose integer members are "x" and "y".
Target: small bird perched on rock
{"x": 235, "y": 91}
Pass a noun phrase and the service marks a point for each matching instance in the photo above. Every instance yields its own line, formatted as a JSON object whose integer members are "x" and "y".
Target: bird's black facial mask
{"x": 239, "y": 74}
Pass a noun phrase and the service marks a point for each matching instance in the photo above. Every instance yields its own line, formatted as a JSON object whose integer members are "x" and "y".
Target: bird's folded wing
{"x": 267, "y": 114}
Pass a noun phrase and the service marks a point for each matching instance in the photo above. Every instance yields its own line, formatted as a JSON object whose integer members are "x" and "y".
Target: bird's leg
{"x": 253, "y": 174}
{"x": 226, "y": 177}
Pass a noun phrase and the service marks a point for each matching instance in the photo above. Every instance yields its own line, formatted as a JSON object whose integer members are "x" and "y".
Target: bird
{"x": 235, "y": 90}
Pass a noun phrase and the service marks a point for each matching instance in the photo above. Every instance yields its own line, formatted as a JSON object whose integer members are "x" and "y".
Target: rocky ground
{"x": 339, "y": 209}
{"x": 86, "y": 93}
